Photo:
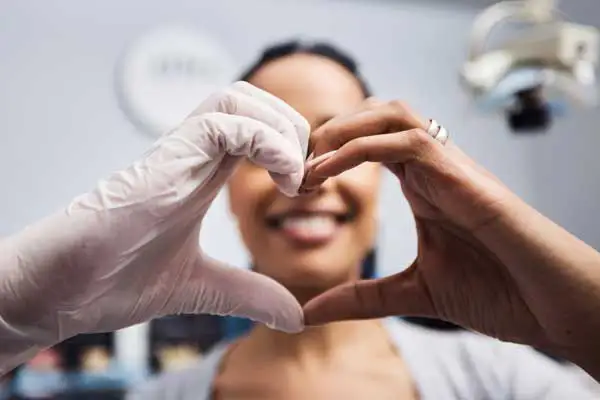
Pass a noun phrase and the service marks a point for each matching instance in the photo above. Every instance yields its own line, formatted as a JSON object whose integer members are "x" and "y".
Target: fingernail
{"x": 311, "y": 163}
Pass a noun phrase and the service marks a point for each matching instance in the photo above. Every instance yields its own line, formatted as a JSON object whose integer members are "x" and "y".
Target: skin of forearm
{"x": 558, "y": 276}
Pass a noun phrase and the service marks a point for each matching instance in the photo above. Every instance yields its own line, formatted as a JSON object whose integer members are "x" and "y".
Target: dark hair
{"x": 326, "y": 50}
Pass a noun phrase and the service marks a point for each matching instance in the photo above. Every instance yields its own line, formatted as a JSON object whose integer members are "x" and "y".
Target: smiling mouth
{"x": 309, "y": 227}
{"x": 308, "y": 219}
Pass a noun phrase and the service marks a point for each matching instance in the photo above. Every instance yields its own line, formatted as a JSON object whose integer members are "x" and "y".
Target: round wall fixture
{"x": 166, "y": 73}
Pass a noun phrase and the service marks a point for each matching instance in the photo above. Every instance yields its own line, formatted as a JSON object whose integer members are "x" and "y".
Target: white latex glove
{"x": 128, "y": 251}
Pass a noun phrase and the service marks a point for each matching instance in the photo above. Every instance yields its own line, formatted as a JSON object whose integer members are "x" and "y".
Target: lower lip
{"x": 310, "y": 237}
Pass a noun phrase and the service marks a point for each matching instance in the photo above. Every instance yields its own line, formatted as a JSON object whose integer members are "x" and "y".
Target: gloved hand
{"x": 128, "y": 251}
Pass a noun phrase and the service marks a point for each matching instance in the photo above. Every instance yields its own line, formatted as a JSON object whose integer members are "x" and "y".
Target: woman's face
{"x": 313, "y": 242}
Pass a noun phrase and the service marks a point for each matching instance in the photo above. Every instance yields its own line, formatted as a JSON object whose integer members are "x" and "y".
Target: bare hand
{"x": 455, "y": 277}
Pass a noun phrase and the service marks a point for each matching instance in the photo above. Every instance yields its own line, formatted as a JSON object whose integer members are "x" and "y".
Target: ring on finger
{"x": 437, "y": 131}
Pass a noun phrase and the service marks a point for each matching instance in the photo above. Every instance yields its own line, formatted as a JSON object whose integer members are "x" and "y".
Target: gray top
{"x": 444, "y": 366}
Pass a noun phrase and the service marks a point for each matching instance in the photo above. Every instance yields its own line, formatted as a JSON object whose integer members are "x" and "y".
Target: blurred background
{"x": 86, "y": 87}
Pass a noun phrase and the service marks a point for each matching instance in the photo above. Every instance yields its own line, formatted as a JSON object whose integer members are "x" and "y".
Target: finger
{"x": 224, "y": 290}
{"x": 217, "y": 133}
{"x": 301, "y": 127}
{"x": 397, "y": 295}
{"x": 368, "y": 104}
{"x": 300, "y": 123}
{"x": 310, "y": 183}
{"x": 399, "y": 147}
{"x": 247, "y": 100}
{"x": 311, "y": 163}
{"x": 374, "y": 120}
{"x": 234, "y": 102}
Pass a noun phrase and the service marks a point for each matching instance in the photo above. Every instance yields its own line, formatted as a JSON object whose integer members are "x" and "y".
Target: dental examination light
{"x": 549, "y": 66}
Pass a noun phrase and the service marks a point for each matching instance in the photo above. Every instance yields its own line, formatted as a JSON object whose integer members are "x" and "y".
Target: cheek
{"x": 248, "y": 188}
{"x": 246, "y": 196}
{"x": 362, "y": 185}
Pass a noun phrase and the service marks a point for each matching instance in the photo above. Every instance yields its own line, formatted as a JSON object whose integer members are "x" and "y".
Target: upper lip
{"x": 306, "y": 211}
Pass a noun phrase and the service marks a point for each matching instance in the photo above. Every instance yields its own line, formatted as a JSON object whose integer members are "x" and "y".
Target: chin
{"x": 313, "y": 280}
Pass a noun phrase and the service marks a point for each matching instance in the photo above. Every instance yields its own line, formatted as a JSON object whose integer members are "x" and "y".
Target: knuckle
{"x": 334, "y": 142}
{"x": 196, "y": 122}
{"x": 372, "y": 102}
{"x": 419, "y": 140}
{"x": 242, "y": 84}
{"x": 398, "y": 105}
{"x": 223, "y": 94}
{"x": 329, "y": 137}
{"x": 317, "y": 134}
{"x": 224, "y": 100}
{"x": 228, "y": 101}
{"x": 357, "y": 144}
{"x": 399, "y": 114}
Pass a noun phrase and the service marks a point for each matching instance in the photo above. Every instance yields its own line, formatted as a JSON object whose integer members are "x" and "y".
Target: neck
{"x": 320, "y": 341}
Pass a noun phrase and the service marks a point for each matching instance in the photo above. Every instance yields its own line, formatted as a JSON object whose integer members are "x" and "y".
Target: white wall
{"x": 61, "y": 128}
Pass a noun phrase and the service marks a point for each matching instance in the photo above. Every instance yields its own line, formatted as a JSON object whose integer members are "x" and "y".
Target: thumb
{"x": 402, "y": 294}
{"x": 225, "y": 290}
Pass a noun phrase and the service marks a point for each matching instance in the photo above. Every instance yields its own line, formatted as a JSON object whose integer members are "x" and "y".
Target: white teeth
{"x": 310, "y": 225}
